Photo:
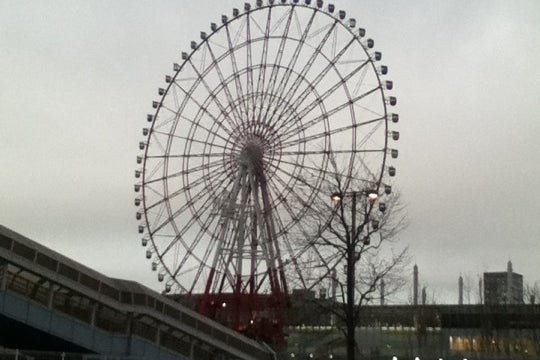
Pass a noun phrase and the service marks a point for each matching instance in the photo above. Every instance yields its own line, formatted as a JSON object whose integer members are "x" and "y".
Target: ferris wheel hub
{"x": 252, "y": 154}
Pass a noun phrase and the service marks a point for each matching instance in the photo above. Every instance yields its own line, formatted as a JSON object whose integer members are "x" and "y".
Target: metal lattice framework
{"x": 241, "y": 140}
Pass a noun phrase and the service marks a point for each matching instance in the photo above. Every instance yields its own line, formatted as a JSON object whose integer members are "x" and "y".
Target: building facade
{"x": 501, "y": 288}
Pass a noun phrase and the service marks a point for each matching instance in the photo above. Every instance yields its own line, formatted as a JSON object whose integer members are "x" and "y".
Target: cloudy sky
{"x": 78, "y": 78}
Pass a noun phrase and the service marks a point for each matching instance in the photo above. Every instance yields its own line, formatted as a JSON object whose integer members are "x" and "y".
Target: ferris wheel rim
{"x": 214, "y": 134}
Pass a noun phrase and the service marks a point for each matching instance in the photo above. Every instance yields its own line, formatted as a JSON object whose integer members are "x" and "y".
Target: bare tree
{"x": 358, "y": 246}
{"x": 531, "y": 293}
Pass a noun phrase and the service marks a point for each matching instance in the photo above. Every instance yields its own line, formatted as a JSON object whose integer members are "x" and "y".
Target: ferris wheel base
{"x": 258, "y": 316}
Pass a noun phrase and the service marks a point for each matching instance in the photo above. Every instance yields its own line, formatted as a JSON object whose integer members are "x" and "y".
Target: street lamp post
{"x": 351, "y": 259}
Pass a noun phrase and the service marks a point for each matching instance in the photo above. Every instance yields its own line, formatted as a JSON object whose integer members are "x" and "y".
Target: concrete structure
{"x": 503, "y": 287}
{"x": 451, "y": 332}
{"x": 51, "y": 303}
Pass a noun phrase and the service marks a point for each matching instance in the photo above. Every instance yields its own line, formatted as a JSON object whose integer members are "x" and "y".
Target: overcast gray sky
{"x": 78, "y": 78}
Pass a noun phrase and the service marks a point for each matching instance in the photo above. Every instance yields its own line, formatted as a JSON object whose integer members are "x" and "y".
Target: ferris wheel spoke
{"x": 291, "y": 131}
{"x": 320, "y": 152}
{"x": 191, "y": 249}
{"x": 192, "y": 170}
{"x": 316, "y": 168}
{"x": 277, "y": 64}
{"x": 193, "y": 122}
{"x": 200, "y": 195}
{"x": 204, "y": 110}
{"x": 293, "y": 60}
{"x": 291, "y": 252}
{"x": 331, "y": 65}
{"x": 211, "y": 95}
{"x": 264, "y": 60}
{"x": 225, "y": 84}
{"x": 368, "y": 135}
{"x": 186, "y": 156}
{"x": 181, "y": 191}
{"x": 286, "y": 186}
{"x": 296, "y": 84}
{"x": 249, "y": 66}
{"x": 303, "y": 111}
{"x": 336, "y": 131}
{"x": 234, "y": 64}
{"x": 185, "y": 138}
{"x": 203, "y": 208}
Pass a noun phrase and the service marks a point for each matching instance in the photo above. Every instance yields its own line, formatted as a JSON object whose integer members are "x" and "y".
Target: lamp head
{"x": 372, "y": 195}
{"x": 336, "y": 198}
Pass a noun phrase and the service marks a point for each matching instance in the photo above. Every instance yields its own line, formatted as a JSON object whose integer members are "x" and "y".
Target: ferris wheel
{"x": 242, "y": 140}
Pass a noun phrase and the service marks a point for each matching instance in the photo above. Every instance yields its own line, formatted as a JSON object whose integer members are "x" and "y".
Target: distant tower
{"x": 480, "y": 292}
{"x": 415, "y": 285}
{"x": 382, "y": 292}
{"x": 460, "y": 284}
{"x": 509, "y": 292}
{"x": 334, "y": 284}
{"x": 424, "y": 296}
